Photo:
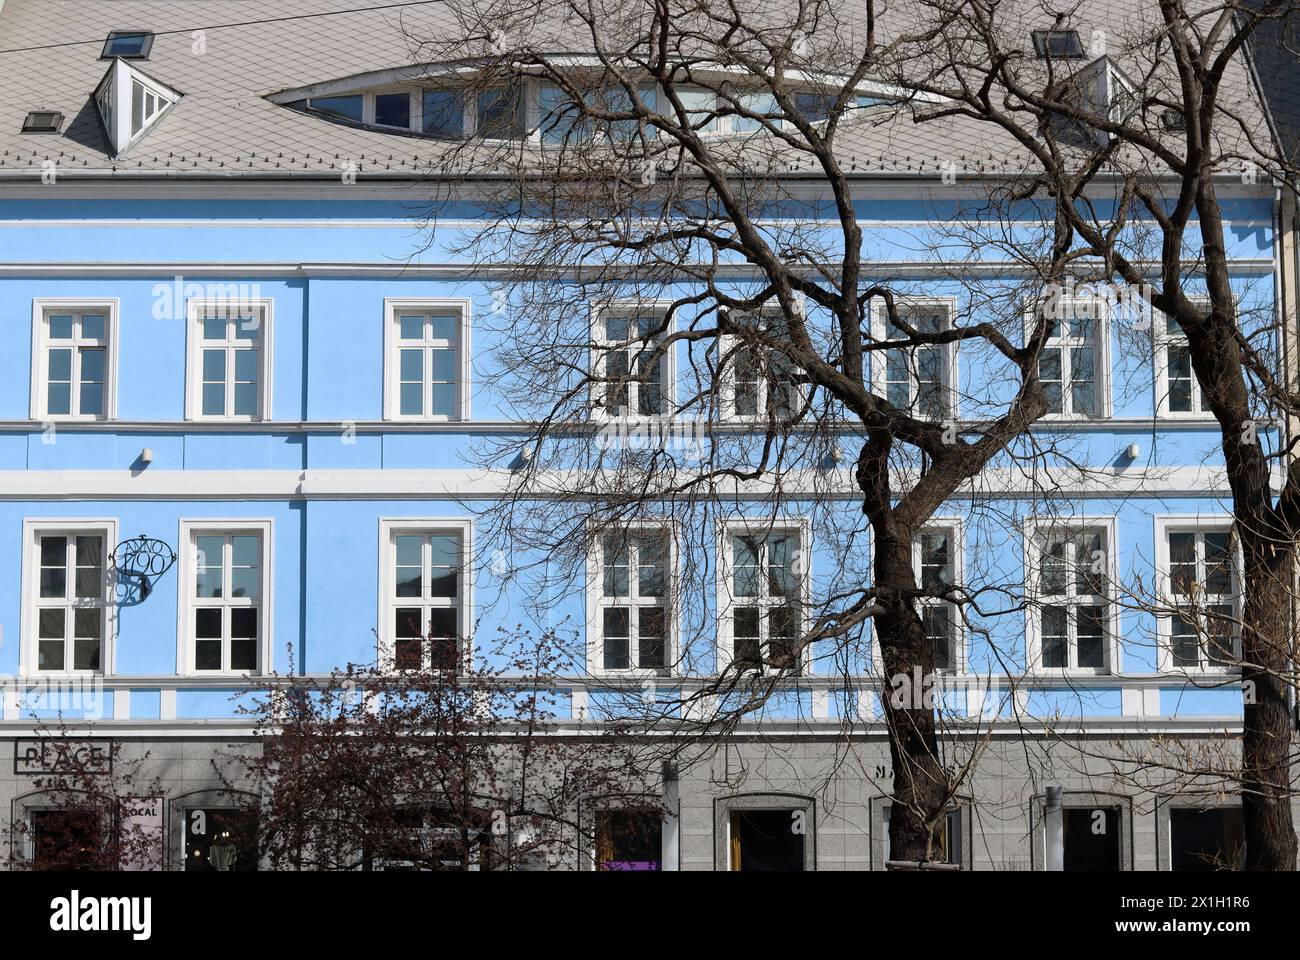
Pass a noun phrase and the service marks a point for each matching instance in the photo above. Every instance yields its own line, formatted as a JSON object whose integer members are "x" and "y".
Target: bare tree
{"x": 449, "y": 767}
{"x": 1133, "y": 148}
{"x": 684, "y": 195}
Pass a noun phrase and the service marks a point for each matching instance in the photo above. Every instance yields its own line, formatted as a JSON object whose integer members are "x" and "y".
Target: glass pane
{"x": 207, "y": 655}
{"x": 1185, "y": 650}
{"x": 412, "y": 326}
{"x": 92, "y": 365}
{"x": 58, "y": 399}
{"x": 1052, "y": 572}
{"x": 214, "y": 365}
{"x": 1179, "y": 362}
{"x": 245, "y": 399}
{"x": 782, "y": 632}
{"x": 653, "y": 560}
{"x": 90, "y": 400}
{"x": 1082, "y": 381}
{"x": 214, "y": 399}
{"x": 618, "y": 328}
{"x": 92, "y": 326}
{"x": 781, "y": 576}
{"x": 412, "y": 399}
{"x": 248, "y": 327}
{"x": 500, "y": 113}
{"x": 650, "y": 637}
{"x": 443, "y": 113}
{"x": 1055, "y": 639}
{"x": 60, "y": 364}
{"x": 393, "y": 109}
{"x": 243, "y": 653}
{"x": 1182, "y": 563}
{"x": 443, "y": 400}
{"x": 406, "y": 623}
{"x": 442, "y": 622}
{"x": 763, "y": 104}
{"x": 90, "y": 583}
{"x": 408, "y": 581}
{"x": 207, "y": 623}
{"x": 54, "y": 551}
{"x": 1090, "y": 632}
{"x": 745, "y": 551}
{"x": 616, "y": 366}
{"x": 245, "y": 561}
{"x": 617, "y": 644}
{"x": 348, "y": 107}
{"x": 412, "y": 365}
{"x": 650, "y": 392}
{"x": 446, "y": 326}
{"x": 243, "y": 622}
{"x": 85, "y": 654}
{"x": 408, "y": 550}
{"x": 443, "y": 365}
{"x": 615, "y": 556}
{"x": 246, "y": 366}
{"x": 49, "y": 655}
{"x": 1090, "y": 565}
{"x": 90, "y": 551}
{"x": 1220, "y": 629}
{"x": 744, "y": 632}
{"x": 60, "y": 326}
{"x": 51, "y": 624}
{"x": 935, "y": 571}
{"x": 1218, "y": 563}
{"x": 937, "y": 622}
{"x": 214, "y": 328}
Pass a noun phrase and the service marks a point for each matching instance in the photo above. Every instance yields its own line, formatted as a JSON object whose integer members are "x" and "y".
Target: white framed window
{"x": 1198, "y": 578}
{"x": 937, "y": 560}
{"x": 226, "y": 587}
{"x": 229, "y": 362}
{"x": 1074, "y": 365}
{"x": 1072, "y": 615}
{"x": 920, "y": 379}
{"x": 625, "y": 341}
{"x": 69, "y": 614}
{"x": 426, "y": 589}
{"x": 629, "y": 610}
{"x": 426, "y": 375}
{"x": 762, "y": 594}
{"x": 759, "y": 382}
{"x": 1178, "y": 392}
{"x": 74, "y": 359}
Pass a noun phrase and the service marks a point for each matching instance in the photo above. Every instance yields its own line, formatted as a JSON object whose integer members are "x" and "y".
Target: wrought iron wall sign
{"x": 143, "y": 560}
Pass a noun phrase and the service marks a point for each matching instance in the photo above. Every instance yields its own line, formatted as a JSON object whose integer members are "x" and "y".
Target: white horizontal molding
{"x": 452, "y": 484}
{"x": 894, "y": 269}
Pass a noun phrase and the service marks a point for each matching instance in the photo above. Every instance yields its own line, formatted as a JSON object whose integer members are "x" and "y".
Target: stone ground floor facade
{"x": 813, "y": 802}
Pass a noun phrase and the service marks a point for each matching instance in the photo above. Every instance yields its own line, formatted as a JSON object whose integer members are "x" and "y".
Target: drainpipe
{"x": 1055, "y": 823}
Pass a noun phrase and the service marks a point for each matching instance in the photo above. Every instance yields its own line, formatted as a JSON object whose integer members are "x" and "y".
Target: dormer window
{"x": 130, "y": 103}
{"x": 127, "y": 44}
{"x": 1173, "y": 120}
{"x": 1058, "y": 44}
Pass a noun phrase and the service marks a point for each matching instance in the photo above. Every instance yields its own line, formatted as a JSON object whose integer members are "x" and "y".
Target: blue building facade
{"x": 289, "y": 382}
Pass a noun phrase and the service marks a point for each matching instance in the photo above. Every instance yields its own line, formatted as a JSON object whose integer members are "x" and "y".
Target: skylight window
{"x": 1058, "y": 43}
{"x": 42, "y": 121}
{"x": 128, "y": 44}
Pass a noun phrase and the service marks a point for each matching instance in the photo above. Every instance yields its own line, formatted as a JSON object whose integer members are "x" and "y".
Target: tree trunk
{"x": 1266, "y": 736}
{"x": 920, "y": 784}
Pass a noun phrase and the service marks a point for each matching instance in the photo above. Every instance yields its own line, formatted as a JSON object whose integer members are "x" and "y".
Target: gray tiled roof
{"x": 225, "y": 126}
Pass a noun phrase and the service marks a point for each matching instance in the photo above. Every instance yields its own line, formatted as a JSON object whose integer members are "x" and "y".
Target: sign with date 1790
{"x": 63, "y": 756}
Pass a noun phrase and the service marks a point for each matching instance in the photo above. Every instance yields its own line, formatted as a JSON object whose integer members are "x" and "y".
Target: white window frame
{"x": 393, "y": 308}
{"x": 1033, "y": 530}
{"x": 802, "y": 528}
{"x": 389, "y": 529}
{"x": 730, "y": 347}
{"x": 1102, "y": 362}
{"x": 42, "y": 308}
{"x": 195, "y": 308}
{"x": 33, "y": 530}
{"x": 597, "y": 602}
{"x": 881, "y": 333}
{"x": 954, "y": 528}
{"x": 1166, "y": 524}
{"x": 1163, "y": 338}
{"x": 601, "y": 345}
{"x": 187, "y": 569}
